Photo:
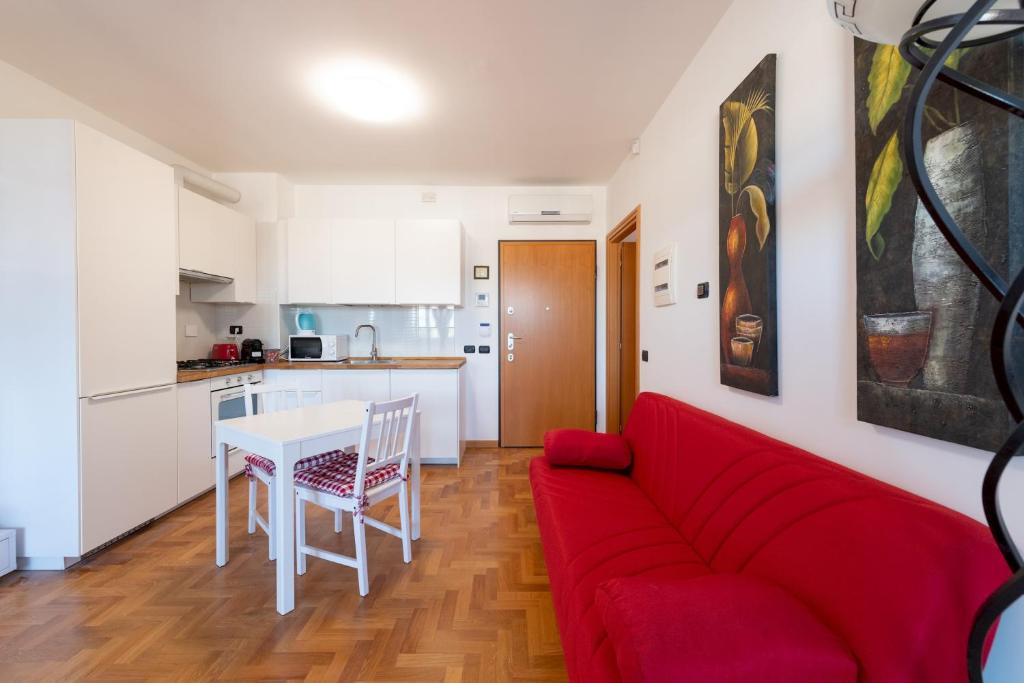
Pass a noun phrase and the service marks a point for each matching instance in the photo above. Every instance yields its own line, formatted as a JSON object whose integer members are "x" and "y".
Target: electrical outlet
{"x": 234, "y": 329}
{"x": 469, "y": 348}
{"x": 191, "y": 330}
{"x": 644, "y": 356}
{"x": 703, "y": 290}
{"x": 485, "y": 349}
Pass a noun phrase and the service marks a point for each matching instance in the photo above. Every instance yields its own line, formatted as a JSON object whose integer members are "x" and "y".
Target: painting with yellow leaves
{"x": 748, "y": 320}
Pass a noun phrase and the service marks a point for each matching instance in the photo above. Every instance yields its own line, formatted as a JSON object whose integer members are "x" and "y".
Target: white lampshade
{"x": 885, "y": 21}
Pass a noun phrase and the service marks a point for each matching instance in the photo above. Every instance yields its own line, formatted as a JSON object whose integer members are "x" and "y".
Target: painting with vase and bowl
{"x": 747, "y": 235}
{"x": 923, "y": 363}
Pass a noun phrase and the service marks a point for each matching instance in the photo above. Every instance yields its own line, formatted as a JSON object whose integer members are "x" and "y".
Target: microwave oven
{"x": 318, "y": 347}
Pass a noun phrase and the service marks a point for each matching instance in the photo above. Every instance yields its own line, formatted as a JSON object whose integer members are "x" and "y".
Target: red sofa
{"x": 720, "y": 554}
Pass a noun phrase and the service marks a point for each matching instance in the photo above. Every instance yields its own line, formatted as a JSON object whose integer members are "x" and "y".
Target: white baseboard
{"x": 439, "y": 461}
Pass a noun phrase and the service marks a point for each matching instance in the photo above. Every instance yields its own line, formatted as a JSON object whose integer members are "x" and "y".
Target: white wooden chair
{"x": 380, "y": 470}
{"x": 269, "y": 398}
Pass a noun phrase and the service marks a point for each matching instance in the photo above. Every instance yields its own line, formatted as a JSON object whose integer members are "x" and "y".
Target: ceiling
{"x": 517, "y": 92}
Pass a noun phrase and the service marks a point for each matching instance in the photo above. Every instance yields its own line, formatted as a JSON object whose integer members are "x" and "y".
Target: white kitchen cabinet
{"x": 441, "y": 425}
{"x": 127, "y": 268}
{"x": 309, "y": 261}
{"x": 358, "y": 385}
{"x": 229, "y": 233}
{"x": 428, "y": 262}
{"x": 205, "y": 234}
{"x": 195, "y": 471}
{"x": 362, "y": 262}
{"x": 128, "y": 461}
{"x": 307, "y": 380}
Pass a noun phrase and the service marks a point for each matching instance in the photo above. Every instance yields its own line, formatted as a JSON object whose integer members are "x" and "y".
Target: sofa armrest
{"x": 725, "y": 628}
{"x": 580, "y": 448}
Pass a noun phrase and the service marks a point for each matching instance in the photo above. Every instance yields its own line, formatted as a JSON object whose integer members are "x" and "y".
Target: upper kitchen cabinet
{"x": 362, "y": 262}
{"x": 375, "y": 262}
{"x": 216, "y": 240}
{"x": 309, "y": 261}
{"x": 126, "y": 266}
{"x": 428, "y": 262}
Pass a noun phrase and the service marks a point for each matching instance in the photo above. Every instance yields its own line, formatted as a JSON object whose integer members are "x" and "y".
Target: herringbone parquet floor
{"x": 473, "y": 606}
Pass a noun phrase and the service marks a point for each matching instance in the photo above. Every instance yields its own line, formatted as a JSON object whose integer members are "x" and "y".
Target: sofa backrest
{"x": 897, "y": 577}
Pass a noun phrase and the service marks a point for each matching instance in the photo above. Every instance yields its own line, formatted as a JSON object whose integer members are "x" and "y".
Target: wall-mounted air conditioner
{"x": 554, "y": 208}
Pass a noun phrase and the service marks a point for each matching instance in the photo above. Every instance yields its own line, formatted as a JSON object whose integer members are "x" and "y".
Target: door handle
{"x": 129, "y": 392}
{"x": 512, "y": 341}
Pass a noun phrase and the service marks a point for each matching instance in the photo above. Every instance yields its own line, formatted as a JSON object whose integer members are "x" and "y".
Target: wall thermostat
{"x": 483, "y": 299}
{"x": 664, "y": 276}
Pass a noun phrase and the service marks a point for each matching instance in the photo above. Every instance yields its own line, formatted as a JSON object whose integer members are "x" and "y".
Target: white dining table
{"x": 284, "y": 437}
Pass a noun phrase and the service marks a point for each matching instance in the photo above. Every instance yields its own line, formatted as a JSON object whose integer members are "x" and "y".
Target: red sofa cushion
{"x": 722, "y": 628}
{"x": 580, "y": 448}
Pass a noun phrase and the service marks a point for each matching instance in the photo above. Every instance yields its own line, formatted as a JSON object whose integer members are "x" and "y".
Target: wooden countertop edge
{"x": 407, "y": 363}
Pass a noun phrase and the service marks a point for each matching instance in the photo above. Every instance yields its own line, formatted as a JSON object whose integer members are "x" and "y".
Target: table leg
{"x": 285, "y": 520}
{"x": 222, "y": 503}
{"x": 415, "y": 477}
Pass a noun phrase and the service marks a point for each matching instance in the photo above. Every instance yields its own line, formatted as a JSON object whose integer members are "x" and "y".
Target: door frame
{"x": 630, "y": 225}
{"x": 500, "y": 343}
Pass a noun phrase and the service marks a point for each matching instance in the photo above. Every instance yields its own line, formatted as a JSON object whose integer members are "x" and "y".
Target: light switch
{"x": 191, "y": 330}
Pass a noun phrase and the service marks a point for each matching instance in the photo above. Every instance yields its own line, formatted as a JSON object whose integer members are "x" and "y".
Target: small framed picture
{"x": 481, "y": 272}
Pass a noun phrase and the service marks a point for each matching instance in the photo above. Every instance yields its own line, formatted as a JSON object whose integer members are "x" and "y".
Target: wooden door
{"x": 628, "y": 360}
{"x": 548, "y": 305}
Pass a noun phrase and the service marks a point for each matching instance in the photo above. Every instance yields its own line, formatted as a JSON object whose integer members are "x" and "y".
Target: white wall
{"x": 38, "y": 283}
{"x": 484, "y": 215}
{"x": 24, "y": 96}
{"x": 675, "y": 179}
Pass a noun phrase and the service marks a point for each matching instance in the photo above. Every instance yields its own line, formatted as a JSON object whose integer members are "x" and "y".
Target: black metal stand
{"x": 1008, "y": 378}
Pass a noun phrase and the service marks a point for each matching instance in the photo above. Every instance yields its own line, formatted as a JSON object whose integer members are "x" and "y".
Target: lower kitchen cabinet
{"x": 195, "y": 469}
{"x": 441, "y": 392}
{"x": 440, "y": 401}
{"x": 128, "y": 461}
{"x": 310, "y": 381}
{"x": 358, "y": 385}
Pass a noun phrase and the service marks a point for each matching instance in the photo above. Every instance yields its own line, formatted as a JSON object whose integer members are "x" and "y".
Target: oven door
{"x": 226, "y": 404}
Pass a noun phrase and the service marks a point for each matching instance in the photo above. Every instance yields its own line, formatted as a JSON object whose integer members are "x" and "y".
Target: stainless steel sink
{"x": 379, "y": 361}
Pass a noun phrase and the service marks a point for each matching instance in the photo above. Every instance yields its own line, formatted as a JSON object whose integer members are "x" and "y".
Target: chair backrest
{"x": 391, "y": 422}
{"x": 270, "y": 398}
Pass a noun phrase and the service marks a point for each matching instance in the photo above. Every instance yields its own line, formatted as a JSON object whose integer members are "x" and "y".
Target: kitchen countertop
{"x": 417, "y": 363}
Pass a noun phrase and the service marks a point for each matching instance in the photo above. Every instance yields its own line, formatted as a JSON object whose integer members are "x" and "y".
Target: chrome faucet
{"x": 373, "y": 342}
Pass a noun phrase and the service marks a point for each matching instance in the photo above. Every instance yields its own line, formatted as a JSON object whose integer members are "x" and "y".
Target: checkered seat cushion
{"x": 258, "y": 461}
{"x": 339, "y": 476}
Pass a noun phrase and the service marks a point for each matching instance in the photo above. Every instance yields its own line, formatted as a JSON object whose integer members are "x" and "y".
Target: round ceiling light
{"x": 367, "y": 91}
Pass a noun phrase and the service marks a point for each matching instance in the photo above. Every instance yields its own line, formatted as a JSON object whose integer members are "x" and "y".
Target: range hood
{"x": 199, "y": 276}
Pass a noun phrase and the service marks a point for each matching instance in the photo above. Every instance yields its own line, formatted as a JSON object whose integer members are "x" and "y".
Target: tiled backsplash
{"x": 401, "y": 331}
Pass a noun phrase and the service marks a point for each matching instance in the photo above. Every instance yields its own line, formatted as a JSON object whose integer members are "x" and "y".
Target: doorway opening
{"x": 547, "y": 338}
{"x": 623, "y": 320}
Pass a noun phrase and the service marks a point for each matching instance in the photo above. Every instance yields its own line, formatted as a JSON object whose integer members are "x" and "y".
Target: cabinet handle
{"x": 130, "y": 392}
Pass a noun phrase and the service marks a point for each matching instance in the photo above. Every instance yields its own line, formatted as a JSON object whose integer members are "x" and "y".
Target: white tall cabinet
{"x": 88, "y": 263}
